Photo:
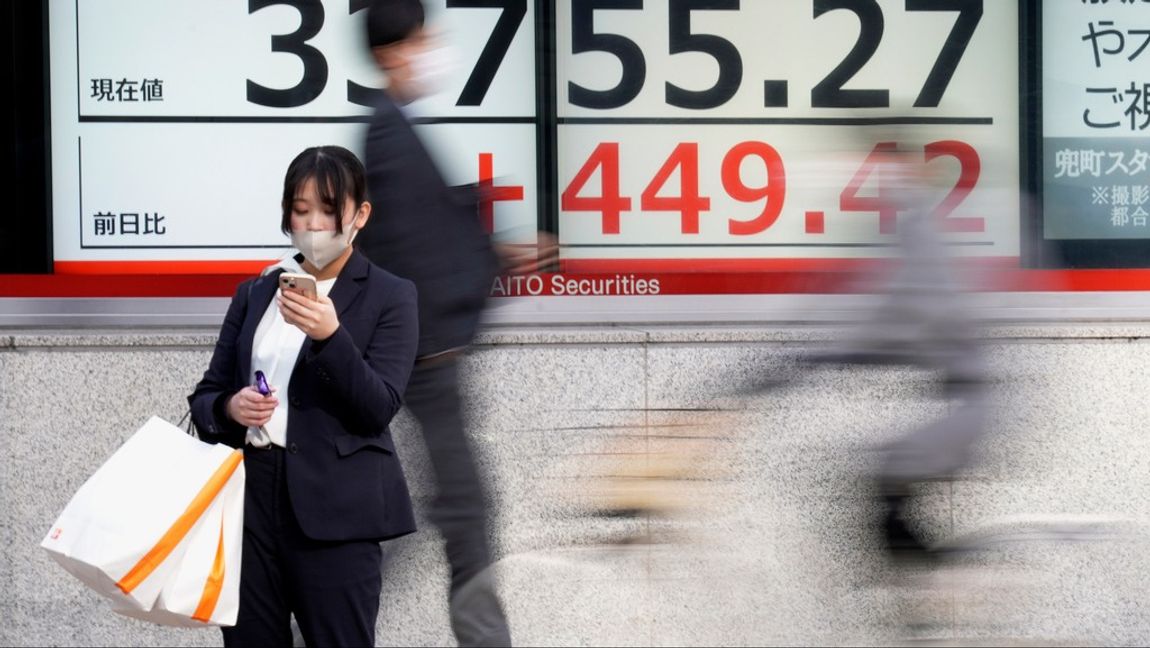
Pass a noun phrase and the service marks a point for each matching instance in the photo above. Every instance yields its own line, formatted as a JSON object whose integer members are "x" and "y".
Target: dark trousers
{"x": 459, "y": 510}
{"x": 332, "y": 587}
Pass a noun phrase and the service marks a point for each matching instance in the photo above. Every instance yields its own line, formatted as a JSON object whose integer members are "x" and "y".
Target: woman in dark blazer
{"x": 323, "y": 482}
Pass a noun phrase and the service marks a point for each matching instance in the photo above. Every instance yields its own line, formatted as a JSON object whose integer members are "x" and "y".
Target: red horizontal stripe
{"x": 249, "y": 267}
{"x": 670, "y": 283}
{"x": 715, "y": 266}
{"x": 133, "y": 285}
{"x": 611, "y": 266}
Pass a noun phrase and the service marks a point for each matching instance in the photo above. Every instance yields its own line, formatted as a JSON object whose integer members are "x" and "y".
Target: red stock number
{"x": 690, "y": 204}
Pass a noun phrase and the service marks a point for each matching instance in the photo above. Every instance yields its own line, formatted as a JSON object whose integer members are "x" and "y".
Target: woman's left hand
{"x": 316, "y": 318}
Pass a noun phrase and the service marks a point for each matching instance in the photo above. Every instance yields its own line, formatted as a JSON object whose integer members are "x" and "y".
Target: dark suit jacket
{"x": 423, "y": 230}
{"x": 343, "y": 474}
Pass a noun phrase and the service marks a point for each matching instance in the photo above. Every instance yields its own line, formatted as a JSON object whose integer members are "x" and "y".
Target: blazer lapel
{"x": 350, "y": 283}
{"x": 260, "y": 295}
{"x": 345, "y": 292}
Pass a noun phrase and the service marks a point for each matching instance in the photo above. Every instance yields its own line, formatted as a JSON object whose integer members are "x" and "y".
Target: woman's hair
{"x": 338, "y": 175}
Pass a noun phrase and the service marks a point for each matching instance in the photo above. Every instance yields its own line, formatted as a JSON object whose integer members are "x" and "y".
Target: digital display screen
{"x": 724, "y": 134}
{"x": 652, "y": 137}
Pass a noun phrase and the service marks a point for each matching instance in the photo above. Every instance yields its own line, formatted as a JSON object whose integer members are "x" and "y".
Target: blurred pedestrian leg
{"x": 459, "y": 510}
{"x": 936, "y": 451}
{"x": 476, "y": 614}
{"x": 921, "y": 318}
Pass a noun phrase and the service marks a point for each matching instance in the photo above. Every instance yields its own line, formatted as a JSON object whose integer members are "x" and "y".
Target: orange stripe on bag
{"x": 214, "y": 585}
{"x": 182, "y": 525}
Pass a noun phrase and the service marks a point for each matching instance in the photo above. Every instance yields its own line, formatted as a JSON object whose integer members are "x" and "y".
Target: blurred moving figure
{"x": 430, "y": 233}
{"x": 921, "y": 319}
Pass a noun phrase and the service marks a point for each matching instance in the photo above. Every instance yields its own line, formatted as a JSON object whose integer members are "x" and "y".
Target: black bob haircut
{"x": 338, "y": 175}
{"x": 390, "y": 21}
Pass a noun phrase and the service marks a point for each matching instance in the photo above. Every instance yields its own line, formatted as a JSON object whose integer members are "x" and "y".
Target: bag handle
{"x": 189, "y": 428}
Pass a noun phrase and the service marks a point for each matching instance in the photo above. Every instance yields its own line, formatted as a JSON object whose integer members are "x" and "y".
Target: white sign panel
{"x": 687, "y": 133}
{"x": 1095, "y": 120}
{"x": 173, "y": 122}
{"x": 745, "y": 130}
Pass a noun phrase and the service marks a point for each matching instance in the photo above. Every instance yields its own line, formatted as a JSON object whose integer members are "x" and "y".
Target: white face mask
{"x": 431, "y": 69}
{"x": 322, "y": 247}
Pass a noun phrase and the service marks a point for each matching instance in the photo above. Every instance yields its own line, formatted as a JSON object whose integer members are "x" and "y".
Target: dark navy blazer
{"x": 423, "y": 230}
{"x": 343, "y": 474}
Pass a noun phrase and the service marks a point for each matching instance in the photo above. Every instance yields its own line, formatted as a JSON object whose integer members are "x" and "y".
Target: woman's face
{"x": 309, "y": 213}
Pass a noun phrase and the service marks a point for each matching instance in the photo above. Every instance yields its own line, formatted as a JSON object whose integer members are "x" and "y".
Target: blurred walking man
{"x": 430, "y": 233}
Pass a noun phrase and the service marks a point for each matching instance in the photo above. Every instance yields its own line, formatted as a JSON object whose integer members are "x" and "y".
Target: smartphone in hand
{"x": 303, "y": 284}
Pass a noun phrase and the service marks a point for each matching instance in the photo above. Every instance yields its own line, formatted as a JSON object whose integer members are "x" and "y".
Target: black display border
{"x": 547, "y": 116}
{"x": 1030, "y": 132}
{"x": 26, "y": 241}
{"x": 26, "y": 232}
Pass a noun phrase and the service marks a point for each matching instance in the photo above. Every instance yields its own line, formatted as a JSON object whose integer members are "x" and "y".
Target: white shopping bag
{"x": 205, "y": 586}
{"x": 158, "y": 528}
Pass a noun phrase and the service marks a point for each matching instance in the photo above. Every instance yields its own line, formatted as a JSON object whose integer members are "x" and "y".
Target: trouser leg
{"x": 901, "y": 542}
{"x": 335, "y": 592}
{"x": 264, "y": 615}
{"x": 459, "y": 507}
{"x": 459, "y": 510}
{"x": 333, "y": 588}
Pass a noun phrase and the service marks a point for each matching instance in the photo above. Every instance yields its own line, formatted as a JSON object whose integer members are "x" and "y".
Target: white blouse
{"x": 275, "y": 348}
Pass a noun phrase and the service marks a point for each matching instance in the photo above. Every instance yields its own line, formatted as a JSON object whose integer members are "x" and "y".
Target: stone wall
{"x": 767, "y": 535}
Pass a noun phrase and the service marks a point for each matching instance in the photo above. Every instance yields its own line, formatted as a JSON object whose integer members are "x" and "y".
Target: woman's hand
{"x": 316, "y": 318}
{"x": 250, "y": 408}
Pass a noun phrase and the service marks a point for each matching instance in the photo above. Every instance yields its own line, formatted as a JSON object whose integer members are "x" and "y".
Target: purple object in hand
{"x": 262, "y": 384}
